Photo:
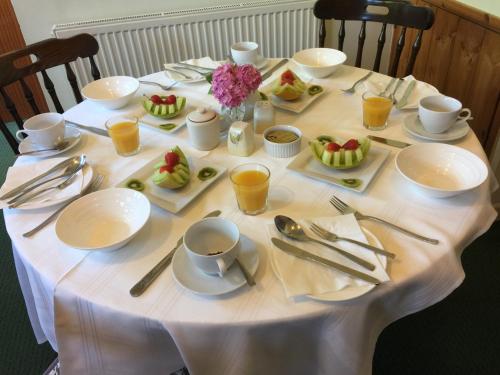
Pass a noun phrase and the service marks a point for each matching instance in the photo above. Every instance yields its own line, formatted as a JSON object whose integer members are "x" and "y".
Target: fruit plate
{"x": 174, "y": 200}
{"x": 305, "y": 163}
{"x": 166, "y": 126}
{"x": 297, "y": 105}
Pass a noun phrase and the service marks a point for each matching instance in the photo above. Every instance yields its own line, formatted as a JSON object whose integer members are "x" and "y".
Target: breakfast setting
{"x": 227, "y": 197}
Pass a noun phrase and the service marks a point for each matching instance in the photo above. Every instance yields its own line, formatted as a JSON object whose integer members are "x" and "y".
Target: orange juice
{"x": 251, "y": 187}
{"x": 125, "y": 135}
{"x": 376, "y": 111}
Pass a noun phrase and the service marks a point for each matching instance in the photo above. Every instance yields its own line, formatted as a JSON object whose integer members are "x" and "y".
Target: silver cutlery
{"x": 390, "y": 142}
{"x": 344, "y": 209}
{"x": 393, "y": 95}
{"x": 70, "y": 169}
{"x": 59, "y": 147}
{"x": 204, "y": 74}
{"x": 163, "y": 87}
{"x": 91, "y": 129}
{"x": 151, "y": 276}
{"x": 74, "y": 160}
{"x": 352, "y": 89}
{"x": 183, "y": 75}
{"x": 248, "y": 276}
{"x": 299, "y": 253}
{"x": 293, "y": 230}
{"x": 384, "y": 93}
{"x": 332, "y": 237}
{"x": 268, "y": 74}
{"x": 195, "y": 66}
{"x": 404, "y": 99}
{"x": 93, "y": 186}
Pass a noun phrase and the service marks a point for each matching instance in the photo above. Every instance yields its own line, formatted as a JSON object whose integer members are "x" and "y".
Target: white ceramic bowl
{"x": 282, "y": 150}
{"x": 319, "y": 62}
{"x": 104, "y": 220}
{"x": 440, "y": 170}
{"x": 111, "y": 92}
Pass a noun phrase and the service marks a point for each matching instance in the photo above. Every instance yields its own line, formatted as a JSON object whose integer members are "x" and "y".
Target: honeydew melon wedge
{"x": 342, "y": 159}
{"x": 165, "y": 111}
{"x": 178, "y": 178}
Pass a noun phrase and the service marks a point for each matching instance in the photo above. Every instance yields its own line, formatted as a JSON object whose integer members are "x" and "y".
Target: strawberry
{"x": 171, "y": 99}
{"x": 156, "y": 99}
{"x": 351, "y": 144}
{"x": 332, "y": 146}
{"x": 172, "y": 159}
{"x": 287, "y": 77}
{"x": 167, "y": 168}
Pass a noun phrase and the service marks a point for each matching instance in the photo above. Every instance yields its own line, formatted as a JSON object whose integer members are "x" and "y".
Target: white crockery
{"x": 111, "y": 92}
{"x": 438, "y": 113}
{"x": 44, "y": 130}
{"x": 203, "y": 126}
{"x": 282, "y": 150}
{"x": 104, "y": 220}
{"x": 319, "y": 62}
{"x": 245, "y": 53}
{"x": 441, "y": 170}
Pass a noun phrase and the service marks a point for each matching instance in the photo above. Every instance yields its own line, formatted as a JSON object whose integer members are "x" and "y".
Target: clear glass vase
{"x": 243, "y": 112}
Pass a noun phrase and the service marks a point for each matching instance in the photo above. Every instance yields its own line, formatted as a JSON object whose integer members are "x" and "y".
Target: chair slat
{"x": 414, "y": 52}
{"x": 11, "y": 107}
{"x": 380, "y": 48}
{"x": 74, "y": 84}
{"x": 49, "y": 85}
{"x": 361, "y": 43}
{"x": 341, "y": 35}
{"x": 95, "y": 71}
{"x": 399, "y": 48}
{"x": 8, "y": 136}
{"x": 28, "y": 94}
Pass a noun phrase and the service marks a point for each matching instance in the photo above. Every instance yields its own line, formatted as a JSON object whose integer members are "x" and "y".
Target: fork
{"x": 352, "y": 89}
{"x": 163, "y": 87}
{"x": 183, "y": 75}
{"x": 344, "y": 209}
{"x": 332, "y": 237}
{"x": 93, "y": 186}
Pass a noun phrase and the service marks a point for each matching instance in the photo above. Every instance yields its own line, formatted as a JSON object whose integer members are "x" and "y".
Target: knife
{"x": 195, "y": 66}
{"x": 390, "y": 142}
{"x": 151, "y": 276}
{"x": 299, "y": 253}
{"x": 406, "y": 95}
{"x": 21, "y": 187}
{"x": 91, "y": 129}
{"x": 267, "y": 74}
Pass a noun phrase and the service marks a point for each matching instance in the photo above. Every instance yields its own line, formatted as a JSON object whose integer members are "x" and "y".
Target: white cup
{"x": 46, "y": 129}
{"x": 245, "y": 53}
{"x": 212, "y": 244}
{"x": 438, "y": 113}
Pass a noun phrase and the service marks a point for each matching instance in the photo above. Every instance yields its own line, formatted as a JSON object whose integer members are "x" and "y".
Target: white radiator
{"x": 139, "y": 45}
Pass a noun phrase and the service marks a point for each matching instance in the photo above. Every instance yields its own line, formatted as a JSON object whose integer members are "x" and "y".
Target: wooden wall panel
{"x": 424, "y": 54}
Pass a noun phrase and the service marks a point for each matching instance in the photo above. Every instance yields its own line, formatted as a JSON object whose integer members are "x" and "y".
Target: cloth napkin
{"x": 302, "y": 277}
{"x": 378, "y": 84}
{"x": 203, "y": 62}
{"x": 18, "y": 174}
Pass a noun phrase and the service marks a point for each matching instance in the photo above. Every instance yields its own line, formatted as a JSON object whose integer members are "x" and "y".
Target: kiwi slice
{"x": 324, "y": 139}
{"x": 167, "y": 127}
{"x": 135, "y": 185}
{"x": 314, "y": 89}
{"x": 206, "y": 173}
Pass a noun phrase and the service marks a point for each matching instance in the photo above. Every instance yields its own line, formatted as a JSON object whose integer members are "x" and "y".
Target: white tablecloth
{"x": 80, "y": 301}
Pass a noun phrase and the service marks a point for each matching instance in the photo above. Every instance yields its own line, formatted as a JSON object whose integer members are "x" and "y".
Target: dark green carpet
{"x": 459, "y": 335}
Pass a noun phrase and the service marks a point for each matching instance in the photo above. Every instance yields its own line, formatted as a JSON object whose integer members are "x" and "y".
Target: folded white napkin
{"x": 203, "y": 62}
{"x": 302, "y": 277}
{"x": 18, "y": 174}
{"x": 378, "y": 84}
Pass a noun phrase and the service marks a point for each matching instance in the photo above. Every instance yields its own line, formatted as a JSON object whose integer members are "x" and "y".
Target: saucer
{"x": 69, "y": 132}
{"x": 198, "y": 282}
{"x": 413, "y": 126}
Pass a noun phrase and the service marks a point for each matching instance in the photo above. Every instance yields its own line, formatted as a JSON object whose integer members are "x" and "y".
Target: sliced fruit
{"x": 289, "y": 86}
{"x": 135, "y": 185}
{"x": 206, "y": 173}
{"x": 314, "y": 89}
{"x": 172, "y": 172}
{"x": 164, "y": 106}
{"x": 331, "y": 154}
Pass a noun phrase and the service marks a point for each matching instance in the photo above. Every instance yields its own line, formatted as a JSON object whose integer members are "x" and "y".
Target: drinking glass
{"x": 376, "y": 111}
{"x": 251, "y": 185}
{"x": 124, "y": 131}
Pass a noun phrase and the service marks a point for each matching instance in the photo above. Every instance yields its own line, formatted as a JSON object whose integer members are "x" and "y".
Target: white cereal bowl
{"x": 104, "y": 220}
{"x": 282, "y": 150}
{"x": 111, "y": 92}
{"x": 319, "y": 62}
{"x": 440, "y": 170}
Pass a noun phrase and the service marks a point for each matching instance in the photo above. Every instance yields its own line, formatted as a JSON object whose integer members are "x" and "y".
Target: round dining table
{"x": 79, "y": 300}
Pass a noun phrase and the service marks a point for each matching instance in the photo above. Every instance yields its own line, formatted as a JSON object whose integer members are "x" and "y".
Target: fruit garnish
{"x": 324, "y": 138}
{"x": 206, "y": 173}
{"x": 167, "y": 168}
{"x": 171, "y": 99}
{"x": 333, "y": 146}
{"x": 314, "y": 89}
{"x": 289, "y": 86}
{"x": 167, "y": 127}
{"x": 173, "y": 171}
{"x": 156, "y": 99}
{"x": 135, "y": 185}
{"x": 172, "y": 159}
{"x": 164, "y": 106}
{"x": 287, "y": 77}
{"x": 351, "y": 144}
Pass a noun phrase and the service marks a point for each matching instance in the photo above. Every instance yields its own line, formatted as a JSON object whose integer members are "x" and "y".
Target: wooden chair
{"x": 49, "y": 53}
{"x": 398, "y": 13}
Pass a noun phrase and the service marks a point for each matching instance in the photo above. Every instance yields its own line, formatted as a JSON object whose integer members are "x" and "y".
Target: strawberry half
{"x": 172, "y": 159}
{"x": 351, "y": 144}
{"x": 167, "y": 168}
{"x": 333, "y": 147}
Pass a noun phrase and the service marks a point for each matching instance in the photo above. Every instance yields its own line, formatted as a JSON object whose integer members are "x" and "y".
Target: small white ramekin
{"x": 282, "y": 150}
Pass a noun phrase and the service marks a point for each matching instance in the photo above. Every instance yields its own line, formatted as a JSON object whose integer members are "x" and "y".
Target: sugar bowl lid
{"x": 202, "y": 114}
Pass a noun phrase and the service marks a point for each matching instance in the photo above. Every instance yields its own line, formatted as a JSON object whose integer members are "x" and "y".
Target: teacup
{"x": 46, "y": 129}
{"x": 245, "y": 53}
{"x": 438, "y": 113}
{"x": 212, "y": 244}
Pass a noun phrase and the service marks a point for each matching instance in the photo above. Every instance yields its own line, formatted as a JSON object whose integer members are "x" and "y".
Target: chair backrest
{"x": 48, "y": 53}
{"x": 395, "y": 12}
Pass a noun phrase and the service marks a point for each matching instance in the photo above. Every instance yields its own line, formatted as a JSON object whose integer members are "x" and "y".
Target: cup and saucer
{"x": 248, "y": 53}
{"x": 439, "y": 118}
{"x": 45, "y": 131}
{"x": 205, "y": 265}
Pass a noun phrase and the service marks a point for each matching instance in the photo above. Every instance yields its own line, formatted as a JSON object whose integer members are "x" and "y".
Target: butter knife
{"x": 299, "y": 253}
{"x": 196, "y": 67}
{"x": 404, "y": 99}
{"x": 91, "y": 129}
{"x": 268, "y": 74}
{"x": 151, "y": 276}
{"x": 390, "y": 142}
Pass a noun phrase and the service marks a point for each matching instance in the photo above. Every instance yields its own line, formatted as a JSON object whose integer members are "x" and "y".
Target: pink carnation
{"x": 232, "y": 84}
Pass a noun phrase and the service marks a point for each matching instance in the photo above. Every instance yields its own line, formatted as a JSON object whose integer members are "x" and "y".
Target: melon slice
{"x": 341, "y": 159}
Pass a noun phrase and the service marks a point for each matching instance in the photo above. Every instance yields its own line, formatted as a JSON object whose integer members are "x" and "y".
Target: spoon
{"x": 75, "y": 164}
{"x": 58, "y": 147}
{"x": 293, "y": 230}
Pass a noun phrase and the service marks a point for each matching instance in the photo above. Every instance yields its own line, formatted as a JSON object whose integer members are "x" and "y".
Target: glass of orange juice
{"x": 251, "y": 185}
{"x": 376, "y": 111}
{"x": 124, "y": 131}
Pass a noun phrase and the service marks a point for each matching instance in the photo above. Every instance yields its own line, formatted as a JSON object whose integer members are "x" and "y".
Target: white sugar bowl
{"x": 203, "y": 126}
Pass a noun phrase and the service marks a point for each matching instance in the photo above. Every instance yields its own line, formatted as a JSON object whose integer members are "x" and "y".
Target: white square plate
{"x": 174, "y": 200}
{"x": 297, "y": 105}
{"x": 305, "y": 163}
{"x": 154, "y": 122}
